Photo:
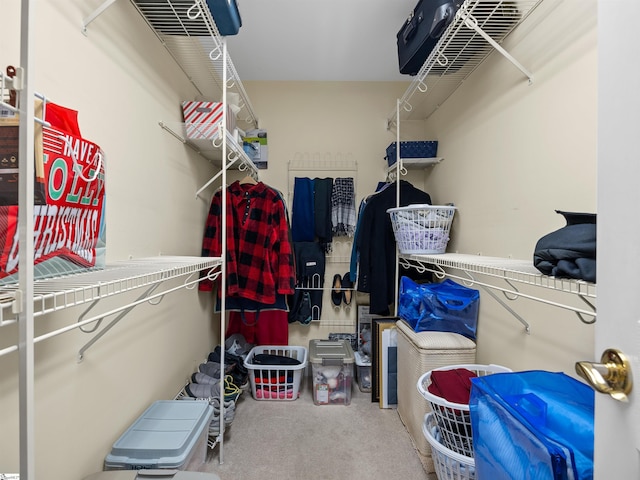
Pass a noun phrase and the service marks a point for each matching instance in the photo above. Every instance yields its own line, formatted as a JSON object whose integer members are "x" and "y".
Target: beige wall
{"x": 513, "y": 153}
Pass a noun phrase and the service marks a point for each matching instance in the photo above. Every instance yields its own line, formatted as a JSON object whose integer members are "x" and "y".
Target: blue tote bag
{"x": 533, "y": 425}
{"x": 443, "y": 307}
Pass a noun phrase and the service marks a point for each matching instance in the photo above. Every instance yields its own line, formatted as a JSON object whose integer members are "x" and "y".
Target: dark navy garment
{"x": 377, "y": 245}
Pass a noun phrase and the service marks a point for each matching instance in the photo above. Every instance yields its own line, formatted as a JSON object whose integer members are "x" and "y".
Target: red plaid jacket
{"x": 259, "y": 252}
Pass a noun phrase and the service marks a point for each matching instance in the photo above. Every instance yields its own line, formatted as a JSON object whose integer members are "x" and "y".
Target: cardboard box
{"x": 256, "y": 147}
{"x": 202, "y": 119}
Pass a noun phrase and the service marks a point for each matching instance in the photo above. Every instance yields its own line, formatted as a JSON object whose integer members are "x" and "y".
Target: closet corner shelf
{"x": 53, "y": 294}
{"x": 512, "y": 271}
{"x": 415, "y": 163}
{"x": 210, "y": 148}
{"x": 478, "y": 28}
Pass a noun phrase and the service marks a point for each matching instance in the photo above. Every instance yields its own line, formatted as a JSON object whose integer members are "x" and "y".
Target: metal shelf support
{"x": 472, "y": 23}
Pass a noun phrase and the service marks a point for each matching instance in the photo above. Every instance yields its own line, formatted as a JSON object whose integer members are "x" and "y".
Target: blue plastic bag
{"x": 441, "y": 307}
{"x": 533, "y": 425}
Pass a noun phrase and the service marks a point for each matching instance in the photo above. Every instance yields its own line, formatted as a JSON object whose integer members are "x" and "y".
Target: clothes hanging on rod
{"x": 322, "y": 188}
{"x": 376, "y": 244}
{"x": 306, "y": 302}
{"x": 259, "y": 257}
{"x": 303, "y": 227}
{"x": 343, "y": 207}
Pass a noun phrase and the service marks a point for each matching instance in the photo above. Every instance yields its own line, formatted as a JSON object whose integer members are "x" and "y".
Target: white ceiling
{"x": 319, "y": 40}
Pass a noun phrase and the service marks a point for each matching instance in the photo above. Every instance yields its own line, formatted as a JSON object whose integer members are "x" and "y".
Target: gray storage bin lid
{"x": 162, "y": 437}
{"x": 151, "y": 475}
{"x": 331, "y": 352}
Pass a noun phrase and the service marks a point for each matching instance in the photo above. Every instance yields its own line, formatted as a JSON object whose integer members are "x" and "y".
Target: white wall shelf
{"x": 478, "y": 29}
{"x": 55, "y": 294}
{"x": 407, "y": 164}
{"x": 510, "y": 271}
{"x": 189, "y": 33}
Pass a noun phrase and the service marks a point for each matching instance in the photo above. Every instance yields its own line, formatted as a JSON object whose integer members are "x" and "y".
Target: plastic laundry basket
{"x": 449, "y": 465}
{"x": 422, "y": 229}
{"x": 453, "y": 419}
{"x": 276, "y": 382}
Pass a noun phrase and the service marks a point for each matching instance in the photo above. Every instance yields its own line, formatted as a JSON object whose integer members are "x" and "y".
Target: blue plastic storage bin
{"x": 413, "y": 149}
{"x": 169, "y": 434}
{"x": 532, "y": 425}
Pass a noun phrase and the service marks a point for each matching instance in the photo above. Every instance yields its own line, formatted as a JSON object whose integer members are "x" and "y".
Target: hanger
{"x": 248, "y": 179}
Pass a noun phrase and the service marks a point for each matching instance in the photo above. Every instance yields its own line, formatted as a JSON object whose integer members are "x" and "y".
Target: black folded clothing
{"x": 269, "y": 359}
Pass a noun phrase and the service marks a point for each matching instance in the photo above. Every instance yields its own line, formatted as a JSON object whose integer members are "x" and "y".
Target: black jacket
{"x": 377, "y": 246}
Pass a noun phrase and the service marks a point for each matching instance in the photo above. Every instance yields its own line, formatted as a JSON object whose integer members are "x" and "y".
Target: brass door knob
{"x": 612, "y": 375}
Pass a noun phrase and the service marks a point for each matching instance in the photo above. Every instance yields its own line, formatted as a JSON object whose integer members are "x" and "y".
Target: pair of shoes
{"x": 228, "y": 415}
{"x": 336, "y": 290}
{"x": 347, "y": 288}
{"x": 342, "y": 289}
{"x": 211, "y": 391}
{"x": 202, "y": 391}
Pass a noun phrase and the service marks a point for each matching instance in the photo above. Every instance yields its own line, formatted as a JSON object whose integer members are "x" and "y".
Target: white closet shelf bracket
{"x": 511, "y": 272}
{"x": 95, "y": 14}
{"x": 472, "y": 23}
{"x": 124, "y": 310}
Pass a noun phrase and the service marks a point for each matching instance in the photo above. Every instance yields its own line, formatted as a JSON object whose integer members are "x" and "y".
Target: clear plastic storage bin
{"x": 332, "y": 371}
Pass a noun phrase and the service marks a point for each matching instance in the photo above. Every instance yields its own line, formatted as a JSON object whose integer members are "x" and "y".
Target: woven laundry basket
{"x": 419, "y": 353}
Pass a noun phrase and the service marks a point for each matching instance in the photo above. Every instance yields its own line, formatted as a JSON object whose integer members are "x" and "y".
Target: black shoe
{"x": 336, "y": 292}
{"x": 347, "y": 288}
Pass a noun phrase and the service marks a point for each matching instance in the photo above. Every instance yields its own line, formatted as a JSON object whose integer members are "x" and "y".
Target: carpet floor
{"x": 290, "y": 440}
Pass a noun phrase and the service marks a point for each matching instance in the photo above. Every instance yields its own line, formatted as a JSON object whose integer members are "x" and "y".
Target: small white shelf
{"x": 417, "y": 163}
{"x": 414, "y": 164}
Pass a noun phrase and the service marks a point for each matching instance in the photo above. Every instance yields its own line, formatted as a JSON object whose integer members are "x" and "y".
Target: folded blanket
{"x": 569, "y": 252}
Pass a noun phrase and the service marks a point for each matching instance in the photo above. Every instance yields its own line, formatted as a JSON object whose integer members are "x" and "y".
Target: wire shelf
{"x": 460, "y": 50}
{"x": 518, "y": 271}
{"x": 189, "y": 33}
{"x": 55, "y": 294}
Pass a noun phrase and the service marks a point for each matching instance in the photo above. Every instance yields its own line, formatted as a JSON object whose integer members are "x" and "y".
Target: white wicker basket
{"x": 449, "y": 465}
{"x": 422, "y": 228}
{"x": 453, "y": 419}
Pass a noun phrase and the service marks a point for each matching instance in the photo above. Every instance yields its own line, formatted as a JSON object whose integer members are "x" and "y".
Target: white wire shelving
{"x": 478, "y": 29}
{"x": 188, "y": 32}
{"x": 487, "y": 272}
{"x": 55, "y": 294}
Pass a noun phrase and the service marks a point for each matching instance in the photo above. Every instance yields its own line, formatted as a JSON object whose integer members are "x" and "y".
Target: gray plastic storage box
{"x": 163, "y": 474}
{"x": 332, "y": 371}
{"x": 169, "y": 434}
